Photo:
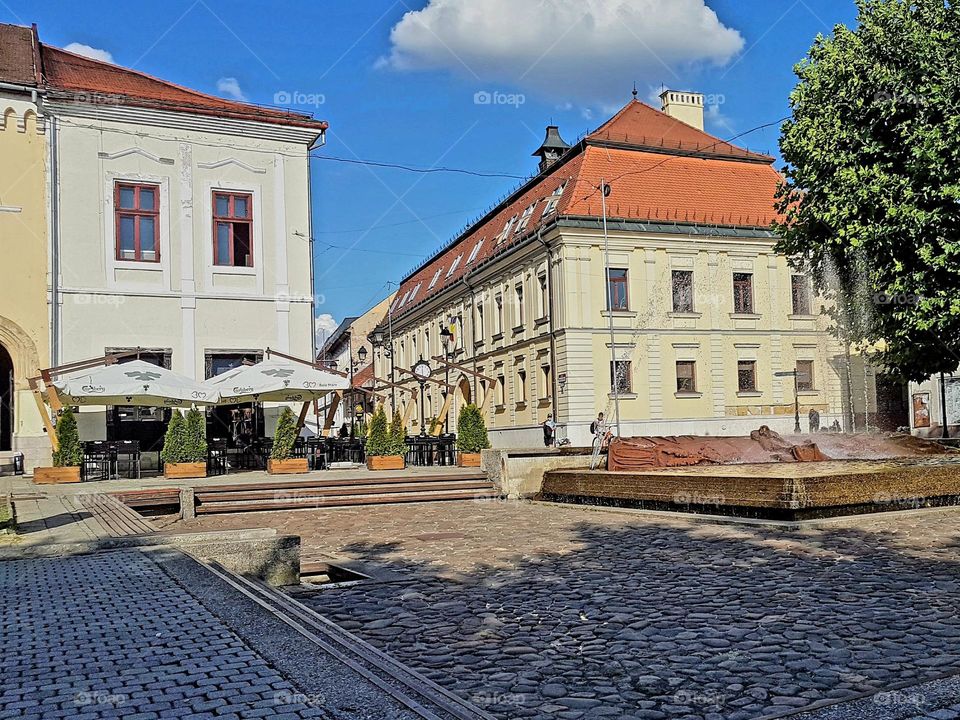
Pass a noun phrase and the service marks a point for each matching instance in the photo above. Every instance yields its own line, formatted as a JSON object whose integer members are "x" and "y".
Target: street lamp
{"x": 422, "y": 371}
{"x": 796, "y": 396}
{"x": 378, "y": 339}
{"x": 604, "y": 189}
{"x": 362, "y": 354}
{"x": 449, "y": 341}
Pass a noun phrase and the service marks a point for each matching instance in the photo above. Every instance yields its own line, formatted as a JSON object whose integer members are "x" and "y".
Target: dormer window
{"x": 456, "y": 264}
{"x": 554, "y": 199}
{"x": 436, "y": 276}
{"x": 475, "y": 251}
{"x": 413, "y": 294}
{"x": 406, "y": 296}
{"x": 525, "y": 218}
{"x": 505, "y": 233}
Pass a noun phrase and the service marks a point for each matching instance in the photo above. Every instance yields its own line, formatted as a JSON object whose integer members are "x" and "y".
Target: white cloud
{"x": 90, "y": 52}
{"x": 716, "y": 120}
{"x": 581, "y": 50}
{"x": 229, "y": 87}
{"x": 324, "y": 325}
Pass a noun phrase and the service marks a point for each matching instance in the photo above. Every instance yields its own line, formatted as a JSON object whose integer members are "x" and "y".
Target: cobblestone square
{"x": 552, "y": 612}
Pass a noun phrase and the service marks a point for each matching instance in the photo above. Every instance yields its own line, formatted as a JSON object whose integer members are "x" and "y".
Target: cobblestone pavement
{"x": 553, "y": 612}
{"x": 111, "y": 635}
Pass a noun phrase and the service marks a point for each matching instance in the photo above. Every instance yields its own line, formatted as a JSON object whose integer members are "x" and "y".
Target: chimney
{"x": 684, "y": 106}
{"x": 552, "y": 148}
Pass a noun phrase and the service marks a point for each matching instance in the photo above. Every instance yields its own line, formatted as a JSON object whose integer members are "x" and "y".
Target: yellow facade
{"x": 24, "y": 327}
{"x": 561, "y": 364}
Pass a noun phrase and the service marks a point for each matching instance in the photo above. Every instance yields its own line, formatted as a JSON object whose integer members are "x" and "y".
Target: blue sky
{"x": 399, "y": 83}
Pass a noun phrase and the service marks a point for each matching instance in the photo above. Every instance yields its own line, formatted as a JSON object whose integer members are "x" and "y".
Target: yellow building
{"x": 681, "y": 317}
{"x": 24, "y": 326}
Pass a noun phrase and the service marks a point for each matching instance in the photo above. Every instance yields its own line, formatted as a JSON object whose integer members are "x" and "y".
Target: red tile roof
{"x": 66, "y": 71}
{"x": 363, "y": 376}
{"x": 17, "y": 55}
{"x": 639, "y": 125}
{"x": 660, "y": 169}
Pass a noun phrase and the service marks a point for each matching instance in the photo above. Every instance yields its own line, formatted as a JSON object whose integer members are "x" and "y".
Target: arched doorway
{"x": 464, "y": 387}
{"x": 7, "y": 394}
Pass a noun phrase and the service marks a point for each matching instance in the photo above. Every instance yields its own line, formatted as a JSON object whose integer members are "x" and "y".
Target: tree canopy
{"x": 872, "y": 183}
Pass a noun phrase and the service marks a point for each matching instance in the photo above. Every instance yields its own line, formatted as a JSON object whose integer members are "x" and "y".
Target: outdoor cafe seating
{"x": 430, "y": 450}
{"x": 107, "y": 459}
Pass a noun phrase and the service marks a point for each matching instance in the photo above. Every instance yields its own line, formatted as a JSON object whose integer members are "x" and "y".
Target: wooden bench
{"x": 116, "y": 518}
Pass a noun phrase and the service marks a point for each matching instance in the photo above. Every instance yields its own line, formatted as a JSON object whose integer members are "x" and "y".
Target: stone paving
{"x": 110, "y": 635}
{"x": 558, "y": 612}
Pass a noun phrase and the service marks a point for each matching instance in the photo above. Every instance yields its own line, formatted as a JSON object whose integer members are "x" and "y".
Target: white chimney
{"x": 684, "y": 106}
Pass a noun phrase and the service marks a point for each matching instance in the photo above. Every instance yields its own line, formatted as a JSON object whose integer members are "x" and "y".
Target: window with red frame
{"x": 137, "y": 215}
{"x": 233, "y": 229}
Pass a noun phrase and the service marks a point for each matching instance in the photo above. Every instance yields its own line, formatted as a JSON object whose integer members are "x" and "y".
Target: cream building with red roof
{"x": 704, "y": 312}
{"x": 179, "y": 222}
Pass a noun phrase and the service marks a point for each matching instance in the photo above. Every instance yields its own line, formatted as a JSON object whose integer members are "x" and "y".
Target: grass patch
{"x": 7, "y": 522}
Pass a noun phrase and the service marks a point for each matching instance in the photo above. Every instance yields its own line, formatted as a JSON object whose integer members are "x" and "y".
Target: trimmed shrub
{"x": 175, "y": 441}
{"x": 379, "y": 441}
{"x": 196, "y": 437}
{"x": 398, "y": 435}
{"x": 70, "y": 453}
{"x": 286, "y": 435}
{"x": 471, "y": 430}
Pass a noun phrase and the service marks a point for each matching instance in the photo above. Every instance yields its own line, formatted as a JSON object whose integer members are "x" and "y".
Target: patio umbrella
{"x": 133, "y": 383}
{"x": 275, "y": 380}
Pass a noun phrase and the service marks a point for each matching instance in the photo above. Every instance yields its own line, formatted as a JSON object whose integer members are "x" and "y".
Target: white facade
{"x": 182, "y": 305}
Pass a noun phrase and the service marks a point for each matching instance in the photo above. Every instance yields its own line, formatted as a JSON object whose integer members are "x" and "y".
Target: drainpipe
{"x": 473, "y": 328}
{"x": 54, "y": 243}
{"x": 319, "y": 142}
{"x": 553, "y": 339}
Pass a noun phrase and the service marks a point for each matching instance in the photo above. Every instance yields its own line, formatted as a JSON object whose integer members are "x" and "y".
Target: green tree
{"x": 175, "y": 440}
{"x": 378, "y": 439}
{"x": 471, "y": 430}
{"x": 70, "y": 452}
{"x": 195, "y": 436}
{"x": 286, "y": 435}
{"x": 398, "y": 435}
{"x": 872, "y": 182}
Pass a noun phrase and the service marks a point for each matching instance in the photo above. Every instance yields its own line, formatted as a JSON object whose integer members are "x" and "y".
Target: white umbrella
{"x": 133, "y": 383}
{"x": 275, "y": 380}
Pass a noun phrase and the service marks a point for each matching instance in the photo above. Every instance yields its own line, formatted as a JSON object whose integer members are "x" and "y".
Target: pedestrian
{"x": 814, "y": 418}
{"x": 549, "y": 430}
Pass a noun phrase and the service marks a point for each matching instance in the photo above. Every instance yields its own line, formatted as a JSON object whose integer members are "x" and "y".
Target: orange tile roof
{"x": 363, "y": 376}
{"x": 17, "y": 55}
{"x": 660, "y": 170}
{"x": 66, "y": 71}
{"x": 639, "y": 125}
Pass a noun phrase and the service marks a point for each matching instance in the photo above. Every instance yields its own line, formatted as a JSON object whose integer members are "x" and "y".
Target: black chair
{"x": 217, "y": 456}
{"x": 97, "y": 460}
{"x": 315, "y": 449}
{"x": 126, "y": 452}
{"x": 447, "y": 449}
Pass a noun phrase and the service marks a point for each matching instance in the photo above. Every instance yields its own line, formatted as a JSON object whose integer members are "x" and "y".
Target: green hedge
{"x": 471, "y": 430}
{"x": 285, "y": 436}
{"x": 70, "y": 452}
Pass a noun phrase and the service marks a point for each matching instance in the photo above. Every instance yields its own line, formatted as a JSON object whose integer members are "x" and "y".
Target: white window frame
{"x": 554, "y": 199}
{"x": 455, "y": 265}
{"x": 505, "y": 233}
{"x": 525, "y": 217}
{"x": 436, "y": 276}
{"x": 475, "y": 251}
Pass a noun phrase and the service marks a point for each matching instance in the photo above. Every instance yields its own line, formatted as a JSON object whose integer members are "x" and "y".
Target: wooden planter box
{"x": 185, "y": 470}
{"x": 51, "y": 475}
{"x": 290, "y": 466}
{"x": 466, "y": 459}
{"x": 385, "y": 462}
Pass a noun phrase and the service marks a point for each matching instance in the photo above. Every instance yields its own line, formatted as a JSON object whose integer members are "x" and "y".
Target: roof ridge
{"x": 124, "y": 70}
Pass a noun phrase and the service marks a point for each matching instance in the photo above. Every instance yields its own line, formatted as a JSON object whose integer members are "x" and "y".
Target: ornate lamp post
{"x": 385, "y": 346}
{"x": 449, "y": 341}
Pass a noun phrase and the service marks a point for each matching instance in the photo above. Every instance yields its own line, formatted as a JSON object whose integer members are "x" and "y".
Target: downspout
{"x": 54, "y": 191}
{"x": 553, "y": 339}
{"x": 473, "y": 331}
{"x": 319, "y": 142}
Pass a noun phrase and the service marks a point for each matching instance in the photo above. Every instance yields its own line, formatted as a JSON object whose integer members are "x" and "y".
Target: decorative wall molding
{"x": 135, "y": 151}
{"x": 231, "y": 161}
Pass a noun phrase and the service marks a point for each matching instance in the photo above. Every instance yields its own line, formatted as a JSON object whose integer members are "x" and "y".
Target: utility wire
{"x": 391, "y": 225}
{"x": 375, "y": 163}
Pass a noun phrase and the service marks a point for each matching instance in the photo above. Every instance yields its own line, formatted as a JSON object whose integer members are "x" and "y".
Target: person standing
{"x": 549, "y": 430}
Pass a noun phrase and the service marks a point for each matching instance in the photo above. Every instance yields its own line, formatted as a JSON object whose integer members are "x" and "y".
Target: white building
{"x": 179, "y": 223}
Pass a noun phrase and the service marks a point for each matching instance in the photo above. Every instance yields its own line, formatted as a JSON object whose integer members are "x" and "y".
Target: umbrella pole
{"x": 44, "y": 415}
